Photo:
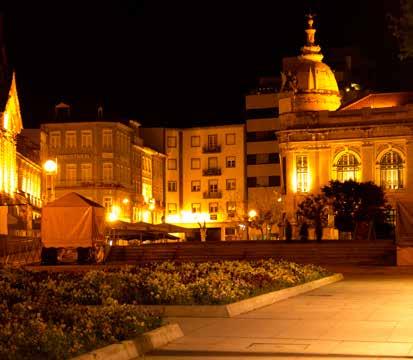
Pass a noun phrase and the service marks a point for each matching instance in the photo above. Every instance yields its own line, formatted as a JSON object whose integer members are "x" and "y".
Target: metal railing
{"x": 20, "y": 250}
{"x": 211, "y": 172}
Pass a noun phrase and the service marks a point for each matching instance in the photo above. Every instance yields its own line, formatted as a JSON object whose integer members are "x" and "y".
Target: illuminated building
{"x": 204, "y": 177}
{"x": 106, "y": 162}
{"x": 366, "y": 140}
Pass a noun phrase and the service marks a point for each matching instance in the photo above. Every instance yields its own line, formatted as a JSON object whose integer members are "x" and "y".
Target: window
{"x": 261, "y": 136}
{"x": 231, "y": 206}
{"x": 212, "y": 162}
{"x": 171, "y": 141}
{"x": 107, "y": 138}
{"x": 107, "y": 203}
{"x": 55, "y": 139}
{"x": 230, "y": 139}
{"x": 172, "y": 186}
{"x": 71, "y": 170}
{"x": 262, "y": 159}
{"x": 230, "y": 231}
{"x": 196, "y": 208}
{"x": 302, "y": 173}
{"x": 212, "y": 141}
{"x": 231, "y": 184}
{"x": 70, "y": 139}
{"x": 251, "y": 181}
{"x": 230, "y": 161}
{"x": 262, "y": 181}
{"x": 347, "y": 167}
{"x": 195, "y": 141}
{"x": 171, "y": 208}
{"x": 86, "y": 172}
{"x": 86, "y": 138}
{"x": 195, "y": 185}
{"x": 213, "y": 208}
{"x": 274, "y": 180}
{"x": 391, "y": 171}
{"x": 107, "y": 174}
{"x": 213, "y": 186}
{"x": 195, "y": 163}
{"x": 171, "y": 164}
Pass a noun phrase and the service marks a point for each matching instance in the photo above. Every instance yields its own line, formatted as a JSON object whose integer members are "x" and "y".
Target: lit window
{"x": 195, "y": 163}
{"x": 172, "y": 186}
{"x": 86, "y": 138}
{"x": 171, "y": 141}
{"x": 55, "y": 139}
{"x": 347, "y": 167}
{"x": 231, "y": 206}
{"x": 171, "y": 209}
{"x": 107, "y": 171}
{"x": 212, "y": 141}
{"x": 196, "y": 208}
{"x": 230, "y": 161}
{"x": 195, "y": 185}
{"x": 231, "y": 184}
{"x": 70, "y": 139}
{"x": 171, "y": 164}
{"x": 195, "y": 141}
{"x": 86, "y": 172}
{"x": 71, "y": 170}
{"x": 391, "y": 171}
{"x": 107, "y": 138}
{"x": 213, "y": 208}
{"x": 213, "y": 186}
{"x": 302, "y": 173}
{"x": 107, "y": 203}
{"x": 230, "y": 139}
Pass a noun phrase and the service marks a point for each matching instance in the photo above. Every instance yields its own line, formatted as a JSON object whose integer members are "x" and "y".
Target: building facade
{"x": 108, "y": 163}
{"x": 368, "y": 140}
{"x": 205, "y": 177}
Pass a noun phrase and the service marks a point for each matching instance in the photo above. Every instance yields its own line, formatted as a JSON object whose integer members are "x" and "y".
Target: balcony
{"x": 212, "y": 195}
{"x": 211, "y": 172}
{"x": 210, "y": 149}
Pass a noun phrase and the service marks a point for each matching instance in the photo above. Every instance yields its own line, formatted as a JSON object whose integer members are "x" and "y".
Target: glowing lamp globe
{"x": 50, "y": 166}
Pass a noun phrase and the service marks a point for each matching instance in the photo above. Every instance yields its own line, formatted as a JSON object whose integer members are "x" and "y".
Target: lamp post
{"x": 50, "y": 168}
{"x": 152, "y": 207}
{"x": 251, "y": 215}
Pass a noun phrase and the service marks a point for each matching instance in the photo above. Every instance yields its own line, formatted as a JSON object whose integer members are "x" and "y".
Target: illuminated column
{"x": 324, "y": 167}
{"x": 368, "y": 162}
{"x": 409, "y": 165}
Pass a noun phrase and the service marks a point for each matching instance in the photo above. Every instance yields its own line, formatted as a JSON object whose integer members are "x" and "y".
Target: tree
{"x": 314, "y": 208}
{"x": 269, "y": 212}
{"x": 354, "y": 202}
{"x": 401, "y": 26}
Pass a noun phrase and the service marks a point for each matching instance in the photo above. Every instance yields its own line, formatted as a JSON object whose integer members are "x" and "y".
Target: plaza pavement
{"x": 369, "y": 315}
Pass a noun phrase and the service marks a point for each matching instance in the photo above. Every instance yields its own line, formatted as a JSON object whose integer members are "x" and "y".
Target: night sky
{"x": 176, "y": 62}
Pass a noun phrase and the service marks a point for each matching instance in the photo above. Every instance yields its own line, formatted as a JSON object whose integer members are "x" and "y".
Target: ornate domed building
{"x": 308, "y": 83}
{"x": 370, "y": 139}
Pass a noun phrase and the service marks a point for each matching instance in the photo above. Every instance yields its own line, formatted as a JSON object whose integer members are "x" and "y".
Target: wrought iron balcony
{"x": 211, "y": 149}
{"x": 213, "y": 195}
{"x": 211, "y": 172}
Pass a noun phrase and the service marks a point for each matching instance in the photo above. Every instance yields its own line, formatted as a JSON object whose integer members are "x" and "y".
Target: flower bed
{"x": 43, "y": 315}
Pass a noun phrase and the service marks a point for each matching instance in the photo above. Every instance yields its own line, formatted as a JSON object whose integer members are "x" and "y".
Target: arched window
{"x": 391, "y": 170}
{"x": 347, "y": 167}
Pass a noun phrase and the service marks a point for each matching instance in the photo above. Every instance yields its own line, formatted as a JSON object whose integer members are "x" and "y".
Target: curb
{"x": 131, "y": 349}
{"x": 243, "y": 306}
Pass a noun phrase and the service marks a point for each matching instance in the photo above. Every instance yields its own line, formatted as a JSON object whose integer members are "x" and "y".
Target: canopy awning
{"x": 170, "y": 228}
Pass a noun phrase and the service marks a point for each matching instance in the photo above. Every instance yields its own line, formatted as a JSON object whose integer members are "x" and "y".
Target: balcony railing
{"x": 213, "y": 195}
{"x": 84, "y": 183}
{"x": 211, "y": 172}
{"x": 211, "y": 149}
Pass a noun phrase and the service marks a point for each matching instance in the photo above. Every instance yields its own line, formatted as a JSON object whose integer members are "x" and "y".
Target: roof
{"x": 381, "y": 100}
{"x": 73, "y": 200}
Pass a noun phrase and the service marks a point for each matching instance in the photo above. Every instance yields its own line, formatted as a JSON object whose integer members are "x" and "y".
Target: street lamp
{"x": 50, "y": 169}
{"x": 252, "y": 213}
{"x": 151, "y": 207}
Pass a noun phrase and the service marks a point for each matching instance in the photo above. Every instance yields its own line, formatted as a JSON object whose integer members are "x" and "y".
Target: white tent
{"x": 72, "y": 221}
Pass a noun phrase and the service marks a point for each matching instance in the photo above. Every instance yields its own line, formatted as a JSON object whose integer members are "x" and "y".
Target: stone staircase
{"x": 368, "y": 253}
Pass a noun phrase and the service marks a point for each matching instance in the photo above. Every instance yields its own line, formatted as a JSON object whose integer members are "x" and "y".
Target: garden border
{"x": 131, "y": 349}
{"x": 243, "y": 306}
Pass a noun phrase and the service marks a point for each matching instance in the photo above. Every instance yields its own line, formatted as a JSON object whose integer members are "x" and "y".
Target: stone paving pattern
{"x": 365, "y": 316}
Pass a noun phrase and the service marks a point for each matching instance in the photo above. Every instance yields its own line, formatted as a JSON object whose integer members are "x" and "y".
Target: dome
{"x": 312, "y": 82}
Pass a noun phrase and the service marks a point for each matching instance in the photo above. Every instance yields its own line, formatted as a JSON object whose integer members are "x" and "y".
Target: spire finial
{"x": 310, "y": 30}
{"x": 310, "y": 50}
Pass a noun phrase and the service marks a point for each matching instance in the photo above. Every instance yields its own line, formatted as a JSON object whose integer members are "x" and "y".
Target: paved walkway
{"x": 362, "y": 317}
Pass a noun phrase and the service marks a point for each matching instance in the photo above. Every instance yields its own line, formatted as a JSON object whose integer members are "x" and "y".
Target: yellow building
{"x": 205, "y": 177}
{"x": 108, "y": 163}
{"x": 368, "y": 140}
